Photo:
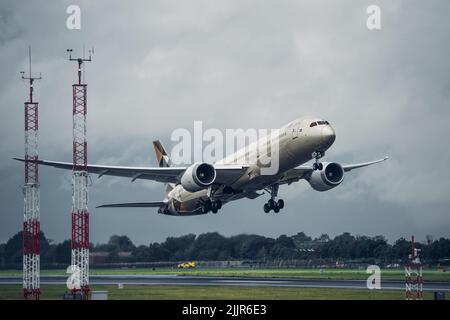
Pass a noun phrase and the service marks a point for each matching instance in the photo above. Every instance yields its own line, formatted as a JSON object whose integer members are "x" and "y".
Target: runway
{"x": 175, "y": 280}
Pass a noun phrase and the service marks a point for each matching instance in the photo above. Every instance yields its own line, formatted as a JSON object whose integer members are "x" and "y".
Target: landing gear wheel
{"x": 317, "y": 166}
{"x": 206, "y": 207}
{"x": 280, "y": 203}
{"x": 271, "y": 203}
{"x": 317, "y": 155}
{"x": 214, "y": 206}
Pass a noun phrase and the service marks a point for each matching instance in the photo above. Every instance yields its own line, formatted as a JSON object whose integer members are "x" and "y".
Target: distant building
{"x": 98, "y": 257}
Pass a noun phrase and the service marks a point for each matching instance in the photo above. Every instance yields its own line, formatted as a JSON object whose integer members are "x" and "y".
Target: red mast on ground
{"x": 31, "y": 216}
{"x": 413, "y": 275}
{"x": 80, "y": 214}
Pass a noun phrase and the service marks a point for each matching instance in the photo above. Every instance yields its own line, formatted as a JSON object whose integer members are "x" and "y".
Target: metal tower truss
{"x": 413, "y": 275}
{"x": 80, "y": 213}
{"x": 413, "y": 282}
{"x": 31, "y": 216}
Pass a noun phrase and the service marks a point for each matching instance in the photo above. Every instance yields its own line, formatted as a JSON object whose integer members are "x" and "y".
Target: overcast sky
{"x": 161, "y": 65}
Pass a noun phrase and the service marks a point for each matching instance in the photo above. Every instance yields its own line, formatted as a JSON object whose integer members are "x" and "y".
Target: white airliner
{"x": 203, "y": 187}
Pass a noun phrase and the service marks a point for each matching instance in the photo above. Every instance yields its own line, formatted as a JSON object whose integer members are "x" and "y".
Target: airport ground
{"x": 257, "y": 284}
{"x": 144, "y": 292}
{"x": 329, "y": 273}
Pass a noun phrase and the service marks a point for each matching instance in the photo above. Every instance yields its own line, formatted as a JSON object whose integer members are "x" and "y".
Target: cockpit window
{"x": 321, "y": 122}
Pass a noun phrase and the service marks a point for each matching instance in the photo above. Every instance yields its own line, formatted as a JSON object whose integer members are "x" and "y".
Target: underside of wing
{"x": 227, "y": 174}
{"x": 252, "y": 194}
{"x": 295, "y": 174}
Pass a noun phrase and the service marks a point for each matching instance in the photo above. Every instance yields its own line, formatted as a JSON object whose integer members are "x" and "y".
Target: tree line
{"x": 213, "y": 246}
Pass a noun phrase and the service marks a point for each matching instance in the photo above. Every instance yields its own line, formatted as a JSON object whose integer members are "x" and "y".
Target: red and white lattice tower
{"x": 80, "y": 214}
{"x": 413, "y": 275}
{"x": 31, "y": 217}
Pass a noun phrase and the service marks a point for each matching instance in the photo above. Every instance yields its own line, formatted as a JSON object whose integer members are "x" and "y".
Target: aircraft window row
{"x": 313, "y": 124}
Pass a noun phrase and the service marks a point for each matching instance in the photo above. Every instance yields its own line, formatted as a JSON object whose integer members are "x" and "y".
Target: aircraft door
{"x": 296, "y": 130}
{"x": 294, "y": 133}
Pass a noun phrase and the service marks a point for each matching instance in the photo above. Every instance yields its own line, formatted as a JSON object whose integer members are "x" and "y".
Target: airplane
{"x": 203, "y": 187}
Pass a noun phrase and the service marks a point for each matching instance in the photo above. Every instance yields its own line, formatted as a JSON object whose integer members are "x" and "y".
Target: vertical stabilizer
{"x": 161, "y": 155}
{"x": 163, "y": 161}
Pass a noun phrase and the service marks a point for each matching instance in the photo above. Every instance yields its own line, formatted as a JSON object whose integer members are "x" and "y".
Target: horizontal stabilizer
{"x": 151, "y": 204}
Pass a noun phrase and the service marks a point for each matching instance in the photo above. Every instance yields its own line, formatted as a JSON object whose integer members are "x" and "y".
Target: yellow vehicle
{"x": 187, "y": 265}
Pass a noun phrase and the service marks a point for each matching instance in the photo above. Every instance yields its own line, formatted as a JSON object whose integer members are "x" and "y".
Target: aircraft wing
{"x": 151, "y": 204}
{"x": 303, "y": 171}
{"x": 349, "y": 167}
{"x": 225, "y": 174}
{"x": 295, "y": 174}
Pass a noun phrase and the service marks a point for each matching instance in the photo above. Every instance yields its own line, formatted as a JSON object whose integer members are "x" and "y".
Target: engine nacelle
{"x": 198, "y": 176}
{"x": 329, "y": 177}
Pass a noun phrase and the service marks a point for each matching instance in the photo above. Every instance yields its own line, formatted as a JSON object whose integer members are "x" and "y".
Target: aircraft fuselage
{"x": 296, "y": 142}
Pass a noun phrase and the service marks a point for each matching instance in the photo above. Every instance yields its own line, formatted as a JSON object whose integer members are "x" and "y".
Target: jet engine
{"x": 198, "y": 176}
{"x": 329, "y": 177}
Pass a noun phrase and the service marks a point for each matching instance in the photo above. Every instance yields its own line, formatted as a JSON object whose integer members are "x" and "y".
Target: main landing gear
{"x": 211, "y": 205}
{"x": 272, "y": 204}
{"x": 317, "y": 155}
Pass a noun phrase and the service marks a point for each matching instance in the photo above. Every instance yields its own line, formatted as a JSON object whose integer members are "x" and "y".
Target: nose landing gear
{"x": 317, "y": 155}
{"x": 272, "y": 204}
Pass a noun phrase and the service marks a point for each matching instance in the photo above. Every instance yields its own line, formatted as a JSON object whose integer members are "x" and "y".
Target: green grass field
{"x": 142, "y": 292}
{"x": 337, "y": 274}
{"x": 224, "y": 293}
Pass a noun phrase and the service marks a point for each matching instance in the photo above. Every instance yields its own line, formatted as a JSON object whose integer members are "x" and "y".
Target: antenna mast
{"x": 413, "y": 275}
{"x": 31, "y": 215}
{"x": 80, "y": 214}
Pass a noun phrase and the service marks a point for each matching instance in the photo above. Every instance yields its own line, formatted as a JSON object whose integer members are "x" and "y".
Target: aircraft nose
{"x": 328, "y": 135}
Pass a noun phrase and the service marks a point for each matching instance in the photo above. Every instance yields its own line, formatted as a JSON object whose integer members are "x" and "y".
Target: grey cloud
{"x": 160, "y": 65}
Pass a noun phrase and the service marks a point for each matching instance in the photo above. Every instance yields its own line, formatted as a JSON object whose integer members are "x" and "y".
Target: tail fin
{"x": 161, "y": 154}
{"x": 163, "y": 161}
